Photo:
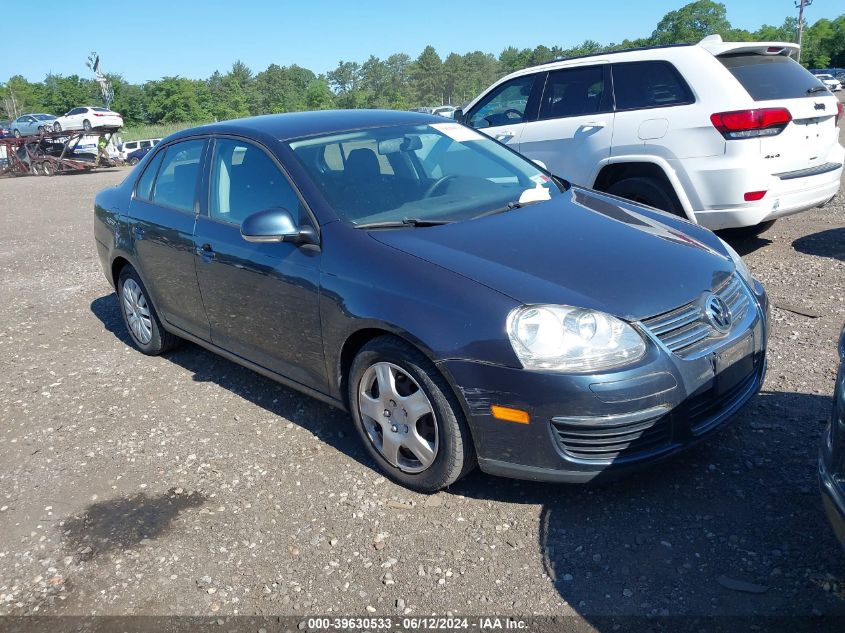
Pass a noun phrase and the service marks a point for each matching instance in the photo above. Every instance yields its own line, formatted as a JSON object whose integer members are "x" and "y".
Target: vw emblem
{"x": 718, "y": 313}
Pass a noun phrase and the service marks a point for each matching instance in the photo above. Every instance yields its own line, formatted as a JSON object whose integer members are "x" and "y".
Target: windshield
{"x": 416, "y": 174}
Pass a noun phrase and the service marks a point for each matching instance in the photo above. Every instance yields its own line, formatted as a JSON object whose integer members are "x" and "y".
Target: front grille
{"x": 685, "y": 331}
{"x": 606, "y": 441}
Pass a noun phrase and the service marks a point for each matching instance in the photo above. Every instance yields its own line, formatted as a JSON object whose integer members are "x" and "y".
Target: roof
{"x": 298, "y": 124}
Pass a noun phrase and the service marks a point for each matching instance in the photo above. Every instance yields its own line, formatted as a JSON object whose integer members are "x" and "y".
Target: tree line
{"x": 397, "y": 82}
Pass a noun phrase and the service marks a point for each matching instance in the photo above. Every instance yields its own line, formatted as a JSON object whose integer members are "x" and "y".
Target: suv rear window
{"x": 767, "y": 77}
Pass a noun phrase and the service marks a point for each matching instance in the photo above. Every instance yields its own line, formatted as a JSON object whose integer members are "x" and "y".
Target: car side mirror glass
{"x": 276, "y": 225}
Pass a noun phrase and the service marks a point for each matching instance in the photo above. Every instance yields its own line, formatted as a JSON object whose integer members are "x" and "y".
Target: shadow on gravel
{"x": 742, "y": 509}
{"x": 124, "y": 522}
{"x": 327, "y": 423}
{"x": 744, "y": 245}
{"x": 830, "y": 243}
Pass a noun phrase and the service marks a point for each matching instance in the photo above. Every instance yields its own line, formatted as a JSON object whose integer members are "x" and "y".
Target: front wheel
{"x": 86, "y": 125}
{"x": 140, "y": 316}
{"x": 134, "y": 160}
{"x": 408, "y": 417}
{"x": 17, "y": 133}
{"x": 57, "y": 127}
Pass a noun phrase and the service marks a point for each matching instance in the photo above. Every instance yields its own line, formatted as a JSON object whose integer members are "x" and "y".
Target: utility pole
{"x": 800, "y": 4}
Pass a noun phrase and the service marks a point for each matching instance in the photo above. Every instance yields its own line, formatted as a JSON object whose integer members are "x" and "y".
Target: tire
{"x": 748, "y": 231}
{"x": 57, "y": 127}
{"x": 134, "y": 161}
{"x": 146, "y": 332}
{"x": 48, "y": 168}
{"x": 453, "y": 451}
{"x": 17, "y": 133}
{"x": 86, "y": 125}
{"x": 648, "y": 191}
{"x": 41, "y": 129}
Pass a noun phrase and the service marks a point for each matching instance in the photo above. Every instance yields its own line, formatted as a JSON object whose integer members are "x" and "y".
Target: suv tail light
{"x": 751, "y": 123}
{"x": 838, "y": 116}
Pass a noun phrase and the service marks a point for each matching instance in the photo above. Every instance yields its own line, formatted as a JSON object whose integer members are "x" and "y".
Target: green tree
{"x": 691, "y": 23}
{"x": 427, "y": 78}
{"x": 176, "y": 99}
{"x": 282, "y": 89}
{"x": 318, "y": 94}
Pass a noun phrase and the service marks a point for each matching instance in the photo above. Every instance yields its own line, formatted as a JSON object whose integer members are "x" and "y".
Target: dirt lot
{"x": 188, "y": 485}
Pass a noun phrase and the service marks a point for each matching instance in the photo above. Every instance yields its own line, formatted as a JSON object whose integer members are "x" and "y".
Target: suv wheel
{"x": 140, "y": 316}
{"x": 649, "y": 191}
{"x": 407, "y": 416}
{"x": 86, "y": 125}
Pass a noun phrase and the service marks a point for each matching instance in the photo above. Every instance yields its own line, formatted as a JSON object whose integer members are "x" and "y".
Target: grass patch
{"x": 160, "y": 130}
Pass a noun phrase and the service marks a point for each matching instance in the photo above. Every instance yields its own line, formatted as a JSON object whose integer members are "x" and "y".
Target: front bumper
{"x": 595, "y": 427}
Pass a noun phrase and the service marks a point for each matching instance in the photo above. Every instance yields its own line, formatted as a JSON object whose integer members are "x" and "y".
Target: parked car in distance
{"x": 134, "y": 157}
{"x": 830, "y": 82}
{"x": 88, "y": 118}
{"x": 725, "y": 134}
{"x": 32, "y": 124}
{"x": 832, "y": 457}
{"x": 128, "y": 148}
{"x": 459, "y": 301}
{"x": 5, "y": 128}
{"x": 446, "y": 111}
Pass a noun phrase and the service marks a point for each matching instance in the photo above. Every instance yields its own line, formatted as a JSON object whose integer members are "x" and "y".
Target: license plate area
{"x": 734, "y": 363}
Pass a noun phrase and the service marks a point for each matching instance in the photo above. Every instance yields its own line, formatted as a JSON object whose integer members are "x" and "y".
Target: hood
{"x": 581, "y": 248}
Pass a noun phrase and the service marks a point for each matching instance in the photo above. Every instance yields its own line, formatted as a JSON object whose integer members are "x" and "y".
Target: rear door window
{"x": 652, "y": 84}
{"x": 176, "y": 183}
{"x": 767, "y": 77}
{"x": 574, "y": 92}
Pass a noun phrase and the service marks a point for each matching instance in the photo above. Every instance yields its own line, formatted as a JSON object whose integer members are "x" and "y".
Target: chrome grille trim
{"x": 685, "y": 330}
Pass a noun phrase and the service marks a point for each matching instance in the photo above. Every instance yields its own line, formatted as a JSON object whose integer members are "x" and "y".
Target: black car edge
{"x": 832, "y": 454}
{"x": 464, "y": 305}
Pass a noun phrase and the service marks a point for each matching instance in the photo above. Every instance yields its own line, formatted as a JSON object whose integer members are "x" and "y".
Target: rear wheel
{"x": 140, "y": 316}
{"x": 48, "y": 168}
{"x": 134, "y": 160}
{"x": 407, "y": 416}
{"x": 648, "y": 191}
{"x": 57, "y": 127}
{"x": 17, "y": 133}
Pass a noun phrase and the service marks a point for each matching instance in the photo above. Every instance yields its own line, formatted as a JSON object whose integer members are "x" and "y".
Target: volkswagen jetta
{"x": 462, "y": 303}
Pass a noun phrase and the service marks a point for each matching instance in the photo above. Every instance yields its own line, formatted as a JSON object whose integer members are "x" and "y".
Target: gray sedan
{"x": 32, "y": 124}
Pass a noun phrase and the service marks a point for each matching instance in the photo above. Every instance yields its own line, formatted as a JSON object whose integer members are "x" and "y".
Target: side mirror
{"x": 276, "y": 225}
{"x": 458, "y": 115}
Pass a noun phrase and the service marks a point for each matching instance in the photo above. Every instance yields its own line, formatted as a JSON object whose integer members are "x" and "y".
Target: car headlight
{"x": 563, "y": 338}
{"x": 741, "y": 268}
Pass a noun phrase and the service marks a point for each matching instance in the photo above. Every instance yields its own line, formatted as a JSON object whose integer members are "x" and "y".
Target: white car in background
{"x": 88, "y": 118}
{"x": 830, "y": 82}
{"x": 725, "y": 134}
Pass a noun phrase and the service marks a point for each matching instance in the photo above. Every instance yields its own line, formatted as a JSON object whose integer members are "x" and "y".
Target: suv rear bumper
{"x": 785, "y": 193}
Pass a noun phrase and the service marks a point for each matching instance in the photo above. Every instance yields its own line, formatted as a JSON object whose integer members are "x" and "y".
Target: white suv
{"x": 727, "y": 134}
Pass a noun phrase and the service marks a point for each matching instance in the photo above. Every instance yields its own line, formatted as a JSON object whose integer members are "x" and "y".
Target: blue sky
{"x": 150, "y": 39}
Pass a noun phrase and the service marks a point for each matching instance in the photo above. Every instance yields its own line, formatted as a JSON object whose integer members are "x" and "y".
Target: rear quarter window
{"x": 651, "y": 84}
{"x": 767, "y": 77}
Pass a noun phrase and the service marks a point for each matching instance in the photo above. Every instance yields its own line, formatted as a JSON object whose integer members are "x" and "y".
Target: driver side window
{"x": 504, "y": 105}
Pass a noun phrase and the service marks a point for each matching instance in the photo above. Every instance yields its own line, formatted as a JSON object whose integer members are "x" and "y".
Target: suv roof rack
{"x": 621, "y": 50}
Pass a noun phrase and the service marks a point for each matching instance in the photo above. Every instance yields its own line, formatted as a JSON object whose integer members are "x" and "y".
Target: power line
{"x": 800, "y": 4}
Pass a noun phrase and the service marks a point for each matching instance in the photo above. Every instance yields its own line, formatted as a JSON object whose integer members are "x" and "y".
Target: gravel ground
{"x": 189, "y": 485}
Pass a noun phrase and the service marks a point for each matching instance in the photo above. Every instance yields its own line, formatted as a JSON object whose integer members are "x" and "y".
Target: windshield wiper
{"x": 405, "y": 222}
{"x": 510, "y": 206}
{"x": 816, "y": 89}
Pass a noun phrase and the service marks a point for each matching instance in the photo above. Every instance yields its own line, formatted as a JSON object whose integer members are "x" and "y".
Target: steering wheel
{"x": 437, "y": 184}
{"x": 517, "y": 113}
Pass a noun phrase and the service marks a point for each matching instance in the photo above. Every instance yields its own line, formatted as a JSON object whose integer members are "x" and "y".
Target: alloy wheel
{"x": 398, "y": 417}
{"x": 137, "y": 311}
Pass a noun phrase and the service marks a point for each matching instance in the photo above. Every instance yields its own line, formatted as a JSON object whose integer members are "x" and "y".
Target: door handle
{"x": 503, "y": 136}
{"x": 206, "y": 252}
{"x": 593, "y": 124}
